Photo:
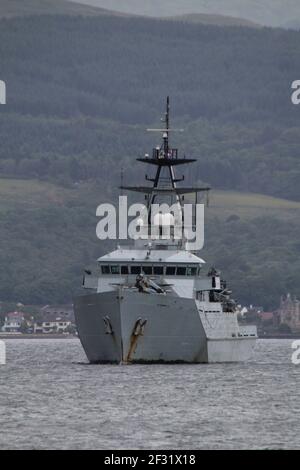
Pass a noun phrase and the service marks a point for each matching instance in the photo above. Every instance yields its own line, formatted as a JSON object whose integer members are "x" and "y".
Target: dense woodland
{"x": 80, "y": 93}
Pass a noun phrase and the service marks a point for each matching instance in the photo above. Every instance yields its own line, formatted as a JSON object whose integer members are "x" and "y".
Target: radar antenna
{"x": 165, "y": 156}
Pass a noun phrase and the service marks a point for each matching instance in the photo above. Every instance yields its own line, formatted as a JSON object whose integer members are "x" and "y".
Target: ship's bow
{"x": 99, "y": 326}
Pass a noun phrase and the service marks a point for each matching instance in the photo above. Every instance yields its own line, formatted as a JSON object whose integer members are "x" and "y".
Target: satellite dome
{"x": 164, "y": 220}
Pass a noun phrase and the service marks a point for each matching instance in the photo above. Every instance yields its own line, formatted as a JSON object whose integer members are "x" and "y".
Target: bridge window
{"x": 147, "y": 269}
{"x": 115, "y": 269}
{"x": 159, "y": 270}
{"x": 191, "y": 271}
{"x": 181, "y": 271}
{"x": 135, "y": 269}
{"x": 105, "y": 269}
{"x": 124, "y": 269}
{"x": 171, "y": 270}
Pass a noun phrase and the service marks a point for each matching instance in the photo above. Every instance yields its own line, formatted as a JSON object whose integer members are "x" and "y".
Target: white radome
{"x": 164, "y": 220}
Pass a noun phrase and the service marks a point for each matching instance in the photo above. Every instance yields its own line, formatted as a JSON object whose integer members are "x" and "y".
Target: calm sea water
{"x": 50, "y": 398}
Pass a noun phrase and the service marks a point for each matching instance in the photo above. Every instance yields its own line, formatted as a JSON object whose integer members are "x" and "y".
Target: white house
{"x": 13, "y": 322}
{"x": 52, "y": 324}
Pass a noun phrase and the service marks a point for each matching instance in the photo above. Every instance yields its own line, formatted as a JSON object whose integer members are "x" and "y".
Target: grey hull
{"x": 128, "y": 327}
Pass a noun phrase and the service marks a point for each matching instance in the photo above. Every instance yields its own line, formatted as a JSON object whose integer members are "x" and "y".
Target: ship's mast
{"x": 164, "y": 157}
{"x": 165, "y": 154}
{"x": 167, "y": 120}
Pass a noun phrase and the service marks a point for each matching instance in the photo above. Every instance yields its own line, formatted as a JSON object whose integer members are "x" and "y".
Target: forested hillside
{"x": 81, "y": 90}
{"x": 80, "y": 93}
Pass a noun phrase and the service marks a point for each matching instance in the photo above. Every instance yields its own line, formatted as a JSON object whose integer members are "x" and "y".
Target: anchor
{"x": 108, "y": 326}
{"x": 139, "y": 327}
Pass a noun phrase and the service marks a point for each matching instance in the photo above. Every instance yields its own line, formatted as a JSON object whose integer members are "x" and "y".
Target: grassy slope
{"x": 245, "y": 205}
{"x": 219, "y": 20}
{"x": 32, "y": 194}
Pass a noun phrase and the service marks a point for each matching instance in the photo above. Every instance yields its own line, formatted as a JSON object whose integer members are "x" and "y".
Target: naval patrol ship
{"x": 153, "y": 301}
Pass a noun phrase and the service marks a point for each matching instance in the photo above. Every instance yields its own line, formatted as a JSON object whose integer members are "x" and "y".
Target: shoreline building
{"x": 13, "y": 322}
{"x": 289, "y": 313}
{"x": 52, "y": 324}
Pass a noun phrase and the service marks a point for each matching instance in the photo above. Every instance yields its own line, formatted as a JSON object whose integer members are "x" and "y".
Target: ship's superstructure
{"x": 152, "y": 302}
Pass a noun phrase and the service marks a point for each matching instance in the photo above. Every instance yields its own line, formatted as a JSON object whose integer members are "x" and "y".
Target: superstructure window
{"x": 115, "y": 269}
{"x": 124, "y": 269}
{"x": 171, "y": 270}
{"x": 105, "y": 269}
{"x": 147, "y": 269}
{"x": 135, "y": 269}
{"x": 181, "y": 271}
{"x": 158, "y": 270}
{"x": 191, "y": 271}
